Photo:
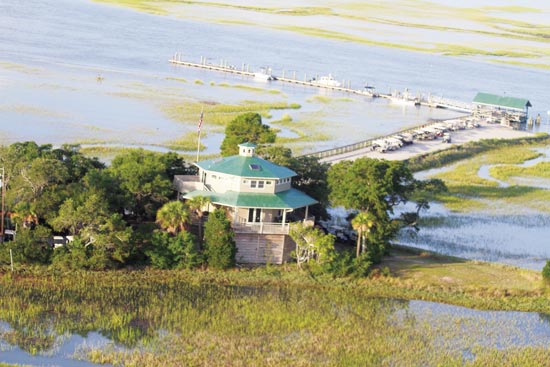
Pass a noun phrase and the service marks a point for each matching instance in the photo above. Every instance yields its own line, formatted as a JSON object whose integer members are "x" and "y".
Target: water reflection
{"x": 467, "y": 328}
{"x": 59, "y": 350}
{"x": 64, "y": 338}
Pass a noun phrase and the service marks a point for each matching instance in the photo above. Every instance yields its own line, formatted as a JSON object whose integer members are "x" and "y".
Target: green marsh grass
{"x": 250, "y": 88}
{"x": 504, "y": 173}
{"x": 220, "y": 114}
{"x": 483, "y": 27}
{"x": 147, "y": 6}
{"x": 187, "y": 142}
{"x": 469, "y": 192}
{"x": 181, "y": 80}
{"x": 277, "y": 316}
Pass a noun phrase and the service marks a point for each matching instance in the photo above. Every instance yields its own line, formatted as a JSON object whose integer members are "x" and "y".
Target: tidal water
{"x": 51, "y": 53}
{"x": 457, "y": 329}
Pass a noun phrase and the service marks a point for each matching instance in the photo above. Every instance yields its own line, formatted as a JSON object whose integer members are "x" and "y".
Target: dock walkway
{"x": 351, "y": 149}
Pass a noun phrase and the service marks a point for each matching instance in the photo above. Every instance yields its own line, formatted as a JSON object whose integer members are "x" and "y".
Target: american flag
{"x": 200, "y": 122}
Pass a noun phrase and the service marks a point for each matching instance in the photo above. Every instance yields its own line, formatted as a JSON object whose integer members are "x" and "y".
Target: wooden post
{"x": 11, "y": 260}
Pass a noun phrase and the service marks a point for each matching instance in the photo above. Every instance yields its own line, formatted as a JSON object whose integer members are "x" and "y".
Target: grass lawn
{"x": 429, "y": 270}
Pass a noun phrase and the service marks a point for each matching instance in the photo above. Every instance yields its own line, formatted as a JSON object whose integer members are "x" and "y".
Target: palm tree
{"x": 362, "y": 223}
{"x": 173, "y": 217}
{"x": 196, "y": 205}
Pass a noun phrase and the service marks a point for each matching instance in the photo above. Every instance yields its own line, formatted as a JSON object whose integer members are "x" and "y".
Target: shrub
{"x": 220, "y": 248}
{"x": 546, "y": 271}
{"x": 180, "y": 251}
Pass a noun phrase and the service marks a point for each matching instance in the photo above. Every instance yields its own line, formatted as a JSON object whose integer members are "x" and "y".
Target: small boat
{"x": 404, "y": 99}
{"x": 326, "y": 81}
{"x": 264, "y": 75}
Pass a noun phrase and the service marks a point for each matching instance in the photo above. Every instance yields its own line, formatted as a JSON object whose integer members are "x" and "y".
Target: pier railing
{"x": 368, "y": 143}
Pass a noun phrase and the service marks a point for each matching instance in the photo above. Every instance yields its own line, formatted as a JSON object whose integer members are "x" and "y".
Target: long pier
{"x": 405, "y": 99}
{"x": 430, "y": 101}
{"x": 223, "y": 67}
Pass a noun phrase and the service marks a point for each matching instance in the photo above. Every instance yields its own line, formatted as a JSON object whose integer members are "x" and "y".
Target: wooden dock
{"x": 204, "y": 65}
{"x": 432, "y": 102}
{"x": 246, "y": 72}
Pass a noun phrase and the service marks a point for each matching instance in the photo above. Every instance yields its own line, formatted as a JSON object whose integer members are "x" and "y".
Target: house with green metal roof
{"x": 492, "y": 101}
{"x": 257, "y": 195}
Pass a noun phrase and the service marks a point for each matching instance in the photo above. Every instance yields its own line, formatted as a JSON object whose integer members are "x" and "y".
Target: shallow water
{"x": 499, "y": 329}
{"x": 457, "y": 329}
{"x": 519, "y": 240}
{"x": 51, "y": 53}
{"x": 65, "y": 352}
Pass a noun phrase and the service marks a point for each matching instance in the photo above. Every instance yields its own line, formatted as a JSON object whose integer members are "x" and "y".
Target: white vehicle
{"x": 405, "y": 138}
{"x": 395, "y": 142}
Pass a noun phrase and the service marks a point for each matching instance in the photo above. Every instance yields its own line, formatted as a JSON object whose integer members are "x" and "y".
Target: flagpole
{"x": 199, "y": 134}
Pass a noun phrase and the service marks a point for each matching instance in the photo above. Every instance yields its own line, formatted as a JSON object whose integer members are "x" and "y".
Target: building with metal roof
{"x": 502, "y": 102}
{"x": 257, "y": 195}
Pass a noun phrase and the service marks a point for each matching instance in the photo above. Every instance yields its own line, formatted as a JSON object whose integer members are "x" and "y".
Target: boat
{"x": 326, "y": 81}
{"x": 404, "y": 98}
{"x": 264, "y": 75}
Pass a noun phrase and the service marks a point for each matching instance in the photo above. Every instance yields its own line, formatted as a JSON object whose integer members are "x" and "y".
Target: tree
{"x": 362, "y": 223}
{"x": 312, "y": 245}
{"x": 102, "y": 239}
{"x": 220, "y": 248}
{"x": 30, "y": 246}
{"x": 372, "y": 186}
{"x": 81, "y": 216}
{"x": 143, "y": 177}
{"x": 196, "y": 205}
{"x": 244, "y": 128}
{"x": 173, "y": 217}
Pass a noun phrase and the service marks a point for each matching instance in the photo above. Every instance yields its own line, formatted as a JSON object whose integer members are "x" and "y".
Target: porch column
{"x": 307, "y": 212}
{"x": 235, "y": 215}
{"x": 284, "y": 217}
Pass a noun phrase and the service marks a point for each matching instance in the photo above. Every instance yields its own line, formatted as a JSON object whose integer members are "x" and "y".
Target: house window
{"x": 253, "y": 184}
{"x": 268, "y": 182}
{"x": 260, "y": 184}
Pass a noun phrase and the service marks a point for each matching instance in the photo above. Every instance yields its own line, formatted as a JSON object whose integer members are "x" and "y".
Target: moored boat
{"x": 326, "y": 81}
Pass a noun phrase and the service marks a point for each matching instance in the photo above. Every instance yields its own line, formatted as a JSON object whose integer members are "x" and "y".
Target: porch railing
{"x": 262, "y": 228}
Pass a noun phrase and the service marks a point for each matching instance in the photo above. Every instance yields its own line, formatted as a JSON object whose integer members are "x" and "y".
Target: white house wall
{"x": 220, "y": 182}
{"x": 268, "y": 185}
